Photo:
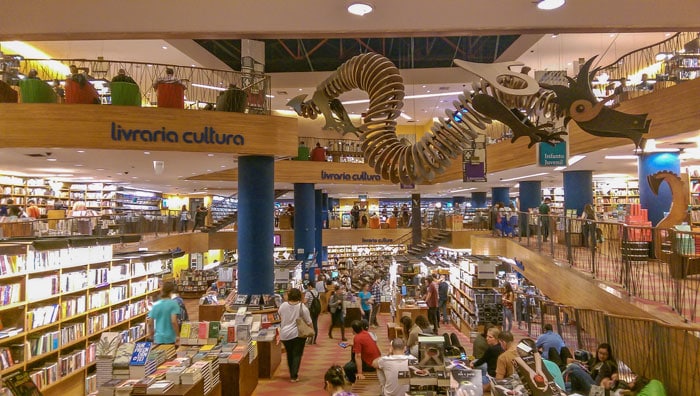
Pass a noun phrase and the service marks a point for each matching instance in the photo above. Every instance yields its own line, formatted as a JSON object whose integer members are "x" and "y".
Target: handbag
{"x": 305, "y": 331}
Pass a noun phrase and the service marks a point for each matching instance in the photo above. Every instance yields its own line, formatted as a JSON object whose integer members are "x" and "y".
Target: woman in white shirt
{"x": 289, "y": 311}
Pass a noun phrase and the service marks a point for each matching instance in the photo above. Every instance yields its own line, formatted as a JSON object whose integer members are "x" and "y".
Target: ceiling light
{"x": 360, "y": 8}
{"x": 462, "y": 190}
{"x": 81, "y": 151}
{"x": 575, "y": 159}
{"x": 620, "y": 157}
{"x": 405, "y": 116}
{"x": 164, "y": 47}
{"x": 147, "y": 152}
{"x": 550, "y": 4}
{"x": 559, "y": 168}
{"x": 51, "y": 159}
{"x": 525, "y": 177}
{"x": 210, "y": 155}
{"x": 208, "y": 87}
{"x": 555, "y": 35}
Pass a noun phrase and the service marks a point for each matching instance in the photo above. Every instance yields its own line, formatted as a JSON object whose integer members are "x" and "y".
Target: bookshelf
{"x": 609, "y": 195}
{"x": 194, "y": 283}
{"x": 63, "y": 294}
{"x": 695, "y": 200}
{"x": 364, "y": 252}
{"x": 463, "y": 275}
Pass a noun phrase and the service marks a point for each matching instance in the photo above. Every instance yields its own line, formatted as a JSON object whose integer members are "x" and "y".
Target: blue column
{"x": 318, "y": 214}
{"x": 649, "y": 164}
{"x": 530, "y": 197}
{"x": 304, "y": 219}
{"x": 326, "y": 224}
{"x": 500, "y": 194}
{"x": 578, "y": 190}
{"x": 256, "y": 220}
{"x": 478, "y": 200}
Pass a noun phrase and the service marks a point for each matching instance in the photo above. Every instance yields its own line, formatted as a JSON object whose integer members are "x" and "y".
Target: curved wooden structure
{"x": 171, "y": 95}
{"x": 125, "y": 94}
{"x": 677, "y": 213}
{"x": 502, "y": 95}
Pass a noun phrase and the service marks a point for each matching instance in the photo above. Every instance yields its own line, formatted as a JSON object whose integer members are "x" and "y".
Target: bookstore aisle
{"x": 318, "y": 358}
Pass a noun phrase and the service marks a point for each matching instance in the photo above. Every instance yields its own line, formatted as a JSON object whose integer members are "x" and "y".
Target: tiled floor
{"x": 318, "y": 358}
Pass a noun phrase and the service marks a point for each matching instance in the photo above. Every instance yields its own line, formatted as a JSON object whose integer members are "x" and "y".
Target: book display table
{"x": 239, "y": 378}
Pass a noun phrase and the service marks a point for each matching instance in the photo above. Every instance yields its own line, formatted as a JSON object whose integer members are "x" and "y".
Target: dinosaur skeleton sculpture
{"x": 515, "y": 99}
{"x": 680, "y": 199}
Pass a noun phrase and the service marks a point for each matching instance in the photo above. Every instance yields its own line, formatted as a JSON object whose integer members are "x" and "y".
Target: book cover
{"x": 21, "y": 384}
{"x": 203, "y": 330}
{"x": 214, "y": 328}
{"x": 185, "y": 330}
{"x": 140, "y": 354}
{"x": 231, "y": 334}
{"x": 123, "y": 356}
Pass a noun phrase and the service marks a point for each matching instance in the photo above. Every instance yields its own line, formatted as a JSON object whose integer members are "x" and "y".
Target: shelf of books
{"x": 58, "y": 296}
{"x": 194, "y": 283}
{"x": 463, "y": 275}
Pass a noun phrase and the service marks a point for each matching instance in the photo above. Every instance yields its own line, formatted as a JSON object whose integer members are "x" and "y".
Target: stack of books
{"x": 142, "y": 362}
{"x": 120, "y": 365}
{"x": 173, "y": 374}
{"x": 191, "y": 375}
{"x": 205, "y": 367}
{"x": 125, "y": 387}
{"x": 160, "y": 387}
{"x": 141, "y": 387}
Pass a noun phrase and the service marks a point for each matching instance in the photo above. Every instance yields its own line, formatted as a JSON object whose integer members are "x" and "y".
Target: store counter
{"x": 411, "y": 310}
{"x": 239, "y": 378}
{"x": 193, "y": 390}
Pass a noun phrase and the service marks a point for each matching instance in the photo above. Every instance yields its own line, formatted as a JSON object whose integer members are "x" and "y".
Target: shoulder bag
{"x": 305, "y": 331}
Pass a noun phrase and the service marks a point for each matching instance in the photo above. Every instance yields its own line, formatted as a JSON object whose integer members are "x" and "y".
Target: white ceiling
{"x": 177, "y": 23}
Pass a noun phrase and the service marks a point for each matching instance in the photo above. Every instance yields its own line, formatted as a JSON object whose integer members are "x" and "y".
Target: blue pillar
{"x": 318, "y": 212}
{"x": 478, "y": 200}
{"x": 500, "y": 194}
{"x": 304, "y": 220}
{"x": 650, "y": 163}
{"x": 530, "y": 197}
{"x": 578, "y": 190}
{"x": 326, "y": 223}
{"x": 256, "y": 202}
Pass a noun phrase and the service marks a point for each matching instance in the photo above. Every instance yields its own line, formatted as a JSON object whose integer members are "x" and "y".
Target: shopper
{"x": 335, "y": 382}
{"x": 289, "y": 311}
{"x": 601, "y": 371}
{"x": 376, "y": 304}
{"x": 355, "y": 216}
{"x": 200, "y": 216}
{"x": 431, "y": 300}
{"x": 336, "y": 305}
{"x": 318, "y": 153}
{"x": 549, "y": 339}
{"x": 365, "y": 350}
{"x": 33, "y": 211}
{"x": 312, "y": 300}
{"x": 388, "y": 368}
{"x": 184, "y": 218}
{"x": 443, "y": 291}
{"x": 489, "y": 361}
{"x": 508, "y": 299}
{"x": 168, "y": 79}
{"x": 365, "y": 301}
{"x": 163, "y": 327}
{"x": 122, "y": 77}
{"x": 504, "y": 364}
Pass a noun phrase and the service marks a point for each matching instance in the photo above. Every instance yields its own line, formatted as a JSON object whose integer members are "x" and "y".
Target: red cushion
{"x": 85, "y": 94}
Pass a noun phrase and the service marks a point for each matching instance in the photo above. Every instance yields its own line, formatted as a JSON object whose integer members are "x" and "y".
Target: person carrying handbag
{"x": 294, "y": 314}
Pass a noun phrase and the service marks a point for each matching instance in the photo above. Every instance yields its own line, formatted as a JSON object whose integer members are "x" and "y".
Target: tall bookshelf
{"x": 609, "y": 196}
{"x": 695, "y": 200}
{"x": 463, "y": 279}
{"x": 60, "y": 295}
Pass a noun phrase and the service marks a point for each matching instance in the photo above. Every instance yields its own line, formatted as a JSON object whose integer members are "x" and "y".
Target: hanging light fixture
{"x": 360, "y": 8}
{"x": 550, "y": 4}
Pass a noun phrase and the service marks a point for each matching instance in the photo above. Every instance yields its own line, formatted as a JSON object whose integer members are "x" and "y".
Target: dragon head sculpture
{"x": 580, "y": 104}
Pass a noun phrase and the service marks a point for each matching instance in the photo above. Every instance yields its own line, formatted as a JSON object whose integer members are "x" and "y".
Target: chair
{"x": 233, "y": 100}
{"x": 7, "y": 94}
{"x": 125, "y": 94}
{"x": 374, "y": 222}
{"x": 392, "y": 221}
{"x": 36, "y": 91}
{"x": 171, "y": 95}
{"x": 81, "y": 94}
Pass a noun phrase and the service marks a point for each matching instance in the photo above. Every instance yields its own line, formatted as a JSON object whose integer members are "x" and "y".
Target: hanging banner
{"x": 551, "y": 156}
{"x": 474, "y": 165}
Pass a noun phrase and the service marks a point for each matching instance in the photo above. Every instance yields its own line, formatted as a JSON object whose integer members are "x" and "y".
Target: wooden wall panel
{"x": 332, "y": 237}
{"x": 462, "y": 239}
{"x": 90, "y": 126}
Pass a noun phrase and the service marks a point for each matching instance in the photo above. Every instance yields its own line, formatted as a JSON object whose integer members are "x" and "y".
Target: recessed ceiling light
{"x": 222, "y": 166}
{"x": 100, "y": 169}
{"x": 193, "y": 65}
{"x": 550, "y": 4}
{"x": 81, "y": 151}
{"x": 78, "y": 165}
{"x": 210, "y": 155}
{"x": 555, "y": 35}
{"x": 620, "y": 157}
{"x": 147, "y": 152}
{"x": 360, "y": 8}
{"x": 164, "y": 47}
{"x": 134, "y": 177}
{"x": 52, "y": 159}
{"x": 301, "y": 89}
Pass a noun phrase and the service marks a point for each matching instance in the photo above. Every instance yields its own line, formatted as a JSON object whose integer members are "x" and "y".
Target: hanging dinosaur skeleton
{"x": 515, "y": 99}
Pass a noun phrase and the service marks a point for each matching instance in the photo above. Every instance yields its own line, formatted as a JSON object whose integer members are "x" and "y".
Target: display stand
{"x": 211, "y": 312}
{"x": 412, "y": 311}
{"x": 193, "y": 390}
{"x": 269, "y": 358}
{"x": 239, "y": 378}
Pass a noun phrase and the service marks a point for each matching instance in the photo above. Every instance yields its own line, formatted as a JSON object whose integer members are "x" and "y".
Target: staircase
{"x": 426, "y": 245}
{"x": 224, "y": 215}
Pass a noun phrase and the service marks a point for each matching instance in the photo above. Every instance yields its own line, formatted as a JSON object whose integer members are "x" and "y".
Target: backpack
{"x": 315, "y": 307}
{"x": 182, "y": 316}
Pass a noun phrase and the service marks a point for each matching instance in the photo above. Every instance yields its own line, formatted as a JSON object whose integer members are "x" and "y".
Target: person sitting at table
{"x": 122, "y": 77}
{"x": 490, "y": 357}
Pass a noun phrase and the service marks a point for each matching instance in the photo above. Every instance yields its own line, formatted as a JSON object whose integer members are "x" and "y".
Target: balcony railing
{"x": 203, "y": 85}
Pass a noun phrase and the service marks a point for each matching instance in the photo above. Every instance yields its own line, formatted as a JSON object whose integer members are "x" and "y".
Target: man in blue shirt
{"x": 164, "y": 313}
{"x": 549, "y": 339}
